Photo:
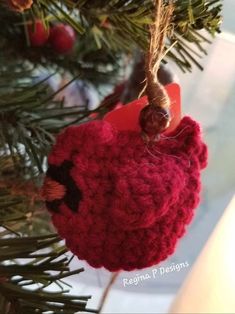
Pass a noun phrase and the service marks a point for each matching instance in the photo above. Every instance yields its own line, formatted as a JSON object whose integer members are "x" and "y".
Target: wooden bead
{"x": 154, "y": 120}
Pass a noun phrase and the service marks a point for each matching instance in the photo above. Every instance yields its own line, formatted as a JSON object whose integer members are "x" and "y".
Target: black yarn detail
{"x": 73, "y": 195}
{"x": 54, "y": 205}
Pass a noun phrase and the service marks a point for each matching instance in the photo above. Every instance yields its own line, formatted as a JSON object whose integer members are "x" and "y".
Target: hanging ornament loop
{"x": 155, "y": 117}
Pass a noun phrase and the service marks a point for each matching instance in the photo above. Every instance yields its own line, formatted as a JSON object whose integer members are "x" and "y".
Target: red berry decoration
{"x": 62, "y": 38}
{"x": 38, "y": 34}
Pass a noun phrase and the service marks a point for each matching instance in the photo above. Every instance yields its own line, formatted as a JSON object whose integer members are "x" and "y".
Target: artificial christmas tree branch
{"x": 114, "y": 27}
{"x": 27, "y": 262}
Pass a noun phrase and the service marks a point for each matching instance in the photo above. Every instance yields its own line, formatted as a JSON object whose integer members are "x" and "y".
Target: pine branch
{"x": 29, "y": 118}
{"x": 112, "y": 27}
{"x": 18, "y": 279}
{"x": 31, "y": 265}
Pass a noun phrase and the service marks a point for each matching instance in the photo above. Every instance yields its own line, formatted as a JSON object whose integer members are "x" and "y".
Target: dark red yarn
{"x": 136, "y": 199}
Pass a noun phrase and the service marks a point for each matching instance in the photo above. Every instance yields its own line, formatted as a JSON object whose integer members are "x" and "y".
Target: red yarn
{"x": 136, "y": 199}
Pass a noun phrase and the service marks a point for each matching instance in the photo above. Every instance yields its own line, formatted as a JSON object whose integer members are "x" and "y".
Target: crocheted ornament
{"x": 122, "y": 194}
{"x": 118, "y": 202}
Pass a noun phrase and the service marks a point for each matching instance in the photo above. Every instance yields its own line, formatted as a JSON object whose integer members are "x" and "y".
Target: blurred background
{"x": 209, "y": 97}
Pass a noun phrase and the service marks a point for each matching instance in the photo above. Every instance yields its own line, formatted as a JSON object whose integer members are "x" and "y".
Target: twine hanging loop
{"x": 155, "y": 117}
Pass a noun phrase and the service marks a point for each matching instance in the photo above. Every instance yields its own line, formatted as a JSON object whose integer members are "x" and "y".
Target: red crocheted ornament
{"x": 119, "y": 202}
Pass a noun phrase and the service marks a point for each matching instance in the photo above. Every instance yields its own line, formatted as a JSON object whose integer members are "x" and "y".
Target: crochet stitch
{"x": 125, "y": 203}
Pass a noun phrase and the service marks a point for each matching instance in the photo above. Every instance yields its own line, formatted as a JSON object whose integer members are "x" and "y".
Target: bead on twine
{"x": 155, "y": 117}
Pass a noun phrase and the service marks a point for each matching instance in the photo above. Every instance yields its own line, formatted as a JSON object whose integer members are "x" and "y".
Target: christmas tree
{"x": 49, "y": 50}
